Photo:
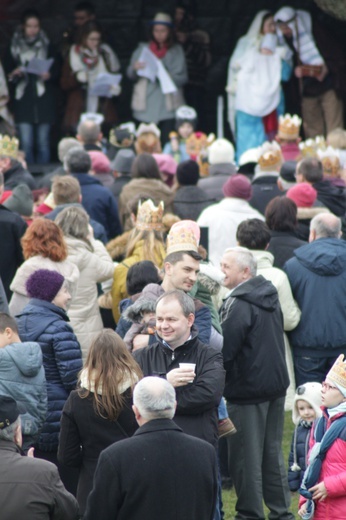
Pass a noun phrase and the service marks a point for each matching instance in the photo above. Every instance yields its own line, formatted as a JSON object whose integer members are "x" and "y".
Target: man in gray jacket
{"x": 29, "y": 488}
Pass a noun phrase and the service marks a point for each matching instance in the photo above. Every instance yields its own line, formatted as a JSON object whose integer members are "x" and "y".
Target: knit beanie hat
{"x": 21, "y": 201}
{"x": 221, "y": 151}
{"x": 99, "y": 162}
{"x": 303, "y": 194}
{"x": 238, "y": 186}
{"x": 44, "y": 284}
{"x": 311, "y": 393}
{"x": 188, "y": 173}
{"x": 123, "y": 161}
{"x": 166, "y": 163}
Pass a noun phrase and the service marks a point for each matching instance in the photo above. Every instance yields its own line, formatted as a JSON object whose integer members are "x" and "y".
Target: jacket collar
{"x": 158, "y": 425}
{"x": 50, "y": 306}
{"x": 10, "y": 446}
{"x": 191, "y": 341}
{"x": 85, "y": 178}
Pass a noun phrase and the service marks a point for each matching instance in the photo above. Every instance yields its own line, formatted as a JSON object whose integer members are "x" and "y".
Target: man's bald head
{"x": 325, "y": 225}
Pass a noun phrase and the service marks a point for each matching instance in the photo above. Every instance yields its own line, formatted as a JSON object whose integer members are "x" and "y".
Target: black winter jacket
{"x": 46, "y": 323}
{"x": 298, "y": 453}
{"x": 253, "y": 351}
{"x": 196, "y": 412}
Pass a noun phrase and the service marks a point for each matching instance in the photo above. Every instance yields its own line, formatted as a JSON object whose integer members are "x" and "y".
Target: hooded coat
{"x": 47, "y": 324}
{"x": 317, "y": 276}
{"x": 22, "y": 377}
{"x": 254, "y": 350}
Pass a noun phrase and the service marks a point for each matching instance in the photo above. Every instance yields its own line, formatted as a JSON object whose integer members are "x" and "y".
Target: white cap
{"x": 221, "y": 151}
{"x": 311, "y": 393}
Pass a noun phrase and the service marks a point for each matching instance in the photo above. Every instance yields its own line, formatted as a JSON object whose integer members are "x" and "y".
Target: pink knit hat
{"x": 303, "y": 194}
{"x": 99, "y": 162}
{"x": 238, "y": 186}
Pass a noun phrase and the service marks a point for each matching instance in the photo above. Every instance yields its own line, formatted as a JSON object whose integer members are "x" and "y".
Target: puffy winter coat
{"x": 94, "y": 267}
{"x": 48, "y": 324}
{"x": 298, "y": 455}
{"x": 333, "y": 474}
{"x": 22, "y": 377}
{"x": 317, "y": 276}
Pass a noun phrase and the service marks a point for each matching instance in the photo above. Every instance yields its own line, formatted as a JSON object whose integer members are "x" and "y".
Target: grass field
{"x": 229, "y": 497}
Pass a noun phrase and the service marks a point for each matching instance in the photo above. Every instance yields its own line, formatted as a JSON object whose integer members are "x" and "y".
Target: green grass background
{"x": 229, "y": 497}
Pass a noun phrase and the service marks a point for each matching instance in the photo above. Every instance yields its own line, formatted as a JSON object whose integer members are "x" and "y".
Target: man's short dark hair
{"x": 78, "y": 161}
{"x": 139, "y": 275}
{"x": 176, "y": 257}
{"x": 6, "y": 321}
{"x": 253, "y": 233}
{"x": 84, "y": 6}
{"x": 311, "y": 169}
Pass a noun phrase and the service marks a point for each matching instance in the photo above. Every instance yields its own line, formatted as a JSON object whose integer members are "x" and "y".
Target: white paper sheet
{"x": 151, "y": 65}
{"x": 167, "y": 84}
{"x": 38, "y": 66}
{"x": 104, "y": 83}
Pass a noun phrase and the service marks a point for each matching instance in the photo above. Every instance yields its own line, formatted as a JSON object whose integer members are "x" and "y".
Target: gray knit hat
{"x": 21, "y": 201}
{"x": 123, "y": 161}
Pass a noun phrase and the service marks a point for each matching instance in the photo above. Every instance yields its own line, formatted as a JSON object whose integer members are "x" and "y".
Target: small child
{"x": 186, "y": 119}
{"x": 324, "y": 484}
{"x": 142, "y": 315}
{"x": 306, "y": 408}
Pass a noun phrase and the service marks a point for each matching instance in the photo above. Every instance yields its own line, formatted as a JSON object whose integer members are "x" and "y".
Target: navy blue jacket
{"x": 301, "y": 446}
{"x": 317, "y": 276}
{"x": 99, "y": 203}
{"x": 48, "y": 325}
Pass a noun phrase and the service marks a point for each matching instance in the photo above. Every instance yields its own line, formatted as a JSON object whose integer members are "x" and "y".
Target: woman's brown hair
{"x": 43, "y": 237}
{"x": 111, "y": 367}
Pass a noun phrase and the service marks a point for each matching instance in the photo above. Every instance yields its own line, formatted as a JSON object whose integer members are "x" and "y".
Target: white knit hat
{"x": 221, "y": 151}
{"x": 311, "y": 393}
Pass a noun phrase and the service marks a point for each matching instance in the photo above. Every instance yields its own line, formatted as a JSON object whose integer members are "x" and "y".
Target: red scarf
{"x": 160, "y": 52}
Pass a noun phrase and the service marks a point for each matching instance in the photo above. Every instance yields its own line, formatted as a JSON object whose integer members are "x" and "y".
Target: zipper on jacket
{"x": 173, "y": 356}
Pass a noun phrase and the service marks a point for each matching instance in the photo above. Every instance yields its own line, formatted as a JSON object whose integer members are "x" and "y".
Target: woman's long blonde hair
{"x": 109, "y": 365}
{"x": 152, "y": 244}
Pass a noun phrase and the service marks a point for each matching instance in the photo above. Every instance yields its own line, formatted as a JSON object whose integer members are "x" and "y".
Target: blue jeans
{"x": 28, "y": 134}
{"x": 311, "y": 369}
{"x": 222, "y": 410}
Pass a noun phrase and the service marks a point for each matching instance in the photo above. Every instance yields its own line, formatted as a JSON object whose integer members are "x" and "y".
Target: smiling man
{"x": 198, "y": 390}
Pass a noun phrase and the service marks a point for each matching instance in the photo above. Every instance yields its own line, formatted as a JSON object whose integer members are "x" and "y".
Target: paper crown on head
{"x": 289, "y": 127}
{"x": 149, "y": 217}
{"x": 150, "y": 128}
{"x": 182, "y": 237}
{"x": 330, "y": 160}
{"x": 92, "y": 116}
{"x": 309, "y": 147}
{"x": 9, "y": 146}
{"x": 270, "y": 156}
{"x": 337, "y": 374}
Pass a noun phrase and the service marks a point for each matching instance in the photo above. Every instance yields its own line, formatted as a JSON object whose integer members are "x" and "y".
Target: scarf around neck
{"x": 160, "y": 52}
{"x": 24, "y": 50}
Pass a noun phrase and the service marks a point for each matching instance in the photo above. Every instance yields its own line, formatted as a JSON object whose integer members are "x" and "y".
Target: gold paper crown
{"x": 289, "y": 127}
{"x": 9, "y": 146}
{"x": 270, "y": 156}
{"x": 337, "y": 374}
{"x": 181, "y": 239}
{"x": 310, "y": 147}
{"x": 330, "y": 161}
{"x": 149, "y": 217}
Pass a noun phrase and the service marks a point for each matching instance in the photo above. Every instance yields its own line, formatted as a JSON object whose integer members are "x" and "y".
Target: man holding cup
{"x": 195, "y": 370}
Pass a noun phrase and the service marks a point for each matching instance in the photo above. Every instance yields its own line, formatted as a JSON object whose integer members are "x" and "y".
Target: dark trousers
{"x": 309, "y": 369}
{"x": 256, "y": 462}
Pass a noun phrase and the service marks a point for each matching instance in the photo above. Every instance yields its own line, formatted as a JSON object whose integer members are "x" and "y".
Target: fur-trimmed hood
{"x": 134, "y": 312}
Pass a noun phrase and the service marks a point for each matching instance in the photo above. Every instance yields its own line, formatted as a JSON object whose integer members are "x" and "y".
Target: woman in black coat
{"x": 100, "y": 412}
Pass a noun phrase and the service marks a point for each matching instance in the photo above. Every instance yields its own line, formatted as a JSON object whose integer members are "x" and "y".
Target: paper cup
{"x": 191, "y": 366}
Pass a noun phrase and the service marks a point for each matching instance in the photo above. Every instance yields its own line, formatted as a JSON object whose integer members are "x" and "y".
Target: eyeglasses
{"x": 327, "y": 386}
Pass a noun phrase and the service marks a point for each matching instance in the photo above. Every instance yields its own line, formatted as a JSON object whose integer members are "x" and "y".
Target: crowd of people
{"x": 165, "y": 298}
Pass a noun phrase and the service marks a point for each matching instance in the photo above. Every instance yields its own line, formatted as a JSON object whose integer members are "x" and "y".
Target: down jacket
{"x": 333, "y": 474}
{"x": 94, "y": 267}
{"x": 48, "y": 324}
{"x": 298, "y": 455}
{"x": 197, "y": 402}
{"x": 22, "y": 377}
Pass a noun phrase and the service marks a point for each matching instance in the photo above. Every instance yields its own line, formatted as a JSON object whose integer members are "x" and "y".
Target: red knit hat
{"x": 238, "y": 186}
{"x": 99, "y": 162}
{"x": 303, "y": 194}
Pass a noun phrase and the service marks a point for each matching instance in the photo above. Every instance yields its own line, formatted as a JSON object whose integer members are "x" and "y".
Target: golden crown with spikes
{"x": 270, "y": 156}
{"x": 181, "y": 239}
{"x": 337, "y": 374}
{"x": 310, "y": 147}
{"x": 149, "y": 217}
{"x": 9, "y": 146}
{"x": 289, "y": 127}
{"x": 330, "y": 161}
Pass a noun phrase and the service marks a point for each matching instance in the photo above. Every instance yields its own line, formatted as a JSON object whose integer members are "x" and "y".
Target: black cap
{"x": 9, "y": 411}
{"x": 288, "y": 170}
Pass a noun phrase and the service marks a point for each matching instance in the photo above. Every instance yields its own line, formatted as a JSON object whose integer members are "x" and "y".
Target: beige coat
{"x": 20, "y": 297}
{"x": 94, "y": 267}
